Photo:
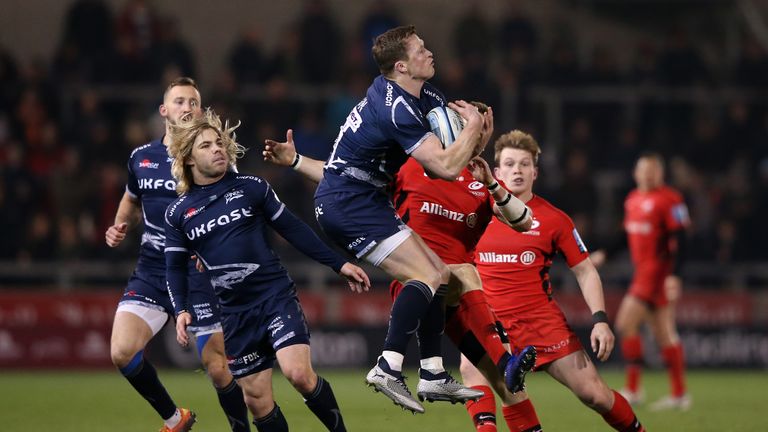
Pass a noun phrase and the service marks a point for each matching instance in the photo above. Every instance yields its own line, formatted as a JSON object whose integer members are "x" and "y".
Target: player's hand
{"x": 673, "y": 286}
{"x": 182, "y": 321}
{"x": 198, "y": 263}
{"x": 280, "y": 153}
{"x": 602, "y": 340}
{"x": 116, "y": 234}
{"x": 487, "y": 131}
{"x": 356, "y": 277}
{"x": 472, "y": 118}
{"x": 597, "y": 257}
{"x": 480, "y": 170}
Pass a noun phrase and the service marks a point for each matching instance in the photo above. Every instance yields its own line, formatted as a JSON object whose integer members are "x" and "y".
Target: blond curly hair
{"x": 183, "y": 137}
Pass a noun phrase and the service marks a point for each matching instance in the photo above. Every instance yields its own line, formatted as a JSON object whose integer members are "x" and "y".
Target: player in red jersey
{"x": 655, "y": 220}
{"x": 514, "y": 268}
{"x": 450, "y": 217}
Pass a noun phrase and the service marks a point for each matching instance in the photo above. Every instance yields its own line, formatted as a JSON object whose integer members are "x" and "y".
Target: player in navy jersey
{"x": 145, "y": 305}
{"x": 222, "y": 218}
{"x": 351, "y": 205}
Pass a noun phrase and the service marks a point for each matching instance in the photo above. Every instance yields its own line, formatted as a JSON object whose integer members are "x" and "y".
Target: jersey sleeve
{"x": 176, "y": 257}
{"x": 294, "y": 230}
{"x": 404, "y": 125}
{"x": 132, "y": 186}
{"x": 676, "y": 213}
{"x": 569, "y": 242}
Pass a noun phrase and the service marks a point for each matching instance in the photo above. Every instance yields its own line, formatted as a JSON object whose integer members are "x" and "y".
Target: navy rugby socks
{"x": 323, "y": 404}
{"x": 143, "y": 377}
{"x": 409, "y": 307}
{"x": 233, "y": 404}
{"x": 272, "y": 422}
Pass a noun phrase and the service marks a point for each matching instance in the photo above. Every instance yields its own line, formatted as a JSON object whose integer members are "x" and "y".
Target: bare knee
{"x": 122, "y": 354}
{"x": 302, "y": 378}
{"x": 218, "y": 371}
{"x": 625, "y": 325}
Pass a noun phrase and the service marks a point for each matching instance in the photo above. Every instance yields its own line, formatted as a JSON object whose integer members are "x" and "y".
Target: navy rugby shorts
{"x": 253, "y": 336}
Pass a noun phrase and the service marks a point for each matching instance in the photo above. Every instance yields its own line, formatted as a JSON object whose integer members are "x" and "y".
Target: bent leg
{"x": 477, "y": 315}
{"x": 230, "y": 395}
{"x": 257, "y": 392}
{"x": 518, "y": 411}
{"x": 130, "y": 334}
{"x": 577, "y": 372}
{"x": 414, "y": 264}
{"x": 295, "y": 362}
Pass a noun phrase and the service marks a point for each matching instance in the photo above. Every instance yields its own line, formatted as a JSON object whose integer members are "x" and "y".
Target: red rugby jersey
{"x": 449, "y": 216}
{"x": 514, "y": 266}
{"x": 650, "y": 218}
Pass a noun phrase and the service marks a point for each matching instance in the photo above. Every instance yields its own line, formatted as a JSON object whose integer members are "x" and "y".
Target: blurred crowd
{"x": 68, "y": 123}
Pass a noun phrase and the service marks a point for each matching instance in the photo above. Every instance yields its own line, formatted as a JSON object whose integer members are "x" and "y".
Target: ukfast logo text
{"x": 223, "y": 220}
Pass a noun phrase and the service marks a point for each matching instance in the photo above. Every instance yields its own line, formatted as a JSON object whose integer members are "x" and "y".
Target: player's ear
{"x": 163, "y": 110}
{"x": 496, "y": 172}
{"x": 535, "y": 173}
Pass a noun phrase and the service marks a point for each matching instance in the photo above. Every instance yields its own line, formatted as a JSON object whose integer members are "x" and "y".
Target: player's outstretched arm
{"x": 284, "y": 154}
{"x": 602, "y": 338}
{"x": 513, "y": 212}
{"x": 128, "y": 215}
{"x": 356, "y": 277}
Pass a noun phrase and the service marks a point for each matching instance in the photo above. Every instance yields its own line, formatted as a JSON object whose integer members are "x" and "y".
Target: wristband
{"x": 599, "y": 317}
{"x": 493, "y": 186}
{"x": 296, "y": 162}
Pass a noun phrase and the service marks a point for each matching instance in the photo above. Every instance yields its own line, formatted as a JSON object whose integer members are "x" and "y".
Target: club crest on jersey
{"x": 647, "y": 206}
{"x": 146, "y": 163}
{"x": 472, "y": 220}
{"x": 532, "y": 232}
{"x": 475, "y": 185}
{"x": 229, "y": 196}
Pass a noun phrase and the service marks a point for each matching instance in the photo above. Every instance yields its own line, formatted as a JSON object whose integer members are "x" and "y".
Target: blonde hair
{"x": 183, "y": 137}
{"x": 517, "y": 139}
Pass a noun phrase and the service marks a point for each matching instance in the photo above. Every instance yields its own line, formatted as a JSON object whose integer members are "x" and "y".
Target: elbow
{"x": 443, "y": 173}
{"x": 450, "y": 173}
{"x": 523, "y": 225}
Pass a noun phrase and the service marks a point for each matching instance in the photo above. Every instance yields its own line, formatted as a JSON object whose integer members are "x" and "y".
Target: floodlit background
{"x": 596, "y": 81}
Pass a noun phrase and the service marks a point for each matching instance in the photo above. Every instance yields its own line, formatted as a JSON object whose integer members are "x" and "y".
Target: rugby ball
{"x": 446, "y": 123}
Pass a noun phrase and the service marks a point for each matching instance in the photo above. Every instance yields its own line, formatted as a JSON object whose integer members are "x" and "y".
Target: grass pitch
{"x": 104, "y": 401}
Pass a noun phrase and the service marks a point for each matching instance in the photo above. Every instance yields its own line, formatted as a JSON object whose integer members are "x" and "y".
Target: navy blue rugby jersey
{"x": 150, "y": 181}
{"x": 378, "y": 135}
{"x": 225, "y": 225}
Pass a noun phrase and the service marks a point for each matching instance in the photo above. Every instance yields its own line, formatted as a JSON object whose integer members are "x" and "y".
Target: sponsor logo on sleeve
{"x": 146, "y": 163}
{"x": 579, "y": 241}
